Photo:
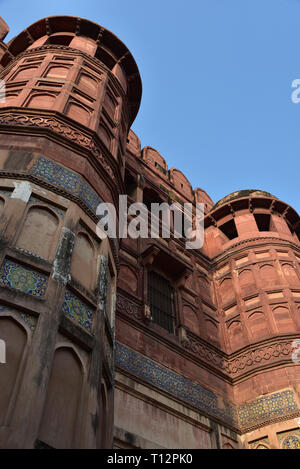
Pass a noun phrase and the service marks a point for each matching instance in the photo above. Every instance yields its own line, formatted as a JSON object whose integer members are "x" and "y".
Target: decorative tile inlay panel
{"x": 78, "y": 311}
{"x": 178, "y": 386}
{"x": 22, "y": 278}
{"x": 266, "y": 408}
{"x": 67, "y": 179}
{"x": 28, "y": 319}
{"x": 289, "y": 439}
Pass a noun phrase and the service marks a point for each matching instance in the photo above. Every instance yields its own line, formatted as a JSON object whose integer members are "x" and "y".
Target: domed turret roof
{"x": 241, "y": 194}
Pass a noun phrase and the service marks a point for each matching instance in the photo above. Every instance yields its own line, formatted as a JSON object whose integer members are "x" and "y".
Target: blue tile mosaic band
{"x": 78, "y": 311}
{"x": 248, "y": 415}
{"x": 23, "y": 279}
{"x": 265, "y": 407}
{"x": 27, "y": 319}
{"x": 169, "y": 381}
{"x": 66, "y": 179}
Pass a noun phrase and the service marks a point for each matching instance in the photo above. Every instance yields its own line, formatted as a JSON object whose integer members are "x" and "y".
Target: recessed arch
{"x": 83, "y": 263}
{"x": 38, "y": 233}
{"x": 41, "y": 100}
{"x": 290, "y": 274}
{"x": 15, "y": 337}
{"x": 258, "y": 325}
{"x": 283, "y": 319}
{"x": 62, "y": 405}
{"x": 226, "y": 290}
{"x": 235, "y": 334}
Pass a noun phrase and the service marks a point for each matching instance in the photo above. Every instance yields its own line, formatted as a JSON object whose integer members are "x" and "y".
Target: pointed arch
{"x": 15, "y": 337}
{"x": 38, "y": 234}
{"x": 235, "y": 334}
{"x": 83, "y": 263}
{"x": 258, "y": 325}
{"x": 62, "y": 405}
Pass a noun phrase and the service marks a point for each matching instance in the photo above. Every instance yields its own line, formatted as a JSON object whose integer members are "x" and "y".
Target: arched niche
{"x": 283, "y": 319}
{"x": 191, "y": 319}
{"x": 88, "y": 82}
{"x": 227, "y": 446}
{"x": 62, "y": 406}
{"x": 127, "y": 279}
{"x": 38, "y": 234}
{"x": 258, "y": 325}
{"x": 268, "y": 275}
{"x": 235, "y": 334}
{"x": 212, "y": 331}
{"x": 15, "y": 338}
{"x": 78, "y": 112}
{"x": 290, "y": 274}
{"x": 105, "y": 135}
{"x": 57, "y": 71}
{"x": 84, "y": 261}
{"x": 41, "y": 100}
{"x": 25, "y": 73}
{"x": 226, "y": 290}
{"x": 205, "y": 288}
{"x": 247, "y": 282}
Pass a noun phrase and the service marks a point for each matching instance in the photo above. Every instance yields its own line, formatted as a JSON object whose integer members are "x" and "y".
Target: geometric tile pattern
{"x": 67, "y": 179}
{"x": 289, "y": 439}
{"x": 271, "y": 406}
{"x": 28, "y": 319}
{"x": 177, "y": 385}
{"x": 78, "y": 311}
{"x": 22, "y": 278}
{"x": 245, "y": 416}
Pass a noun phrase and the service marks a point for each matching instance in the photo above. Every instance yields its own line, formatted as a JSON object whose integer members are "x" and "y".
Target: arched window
{"x": 38, "y": 234}
{"x": 61, "y": 409}
{"x": 83, "y": 261}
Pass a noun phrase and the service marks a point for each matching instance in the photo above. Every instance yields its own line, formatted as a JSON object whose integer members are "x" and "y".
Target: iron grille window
{"x": 161, "y": 301}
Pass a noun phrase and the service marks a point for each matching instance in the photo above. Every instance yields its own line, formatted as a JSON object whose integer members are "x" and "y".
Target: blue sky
{"x": 216, "y": 79}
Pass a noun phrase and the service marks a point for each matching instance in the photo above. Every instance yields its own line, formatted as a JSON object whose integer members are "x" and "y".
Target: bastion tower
{"x": 130, "y": 343}
{"x": 72, "y": 92}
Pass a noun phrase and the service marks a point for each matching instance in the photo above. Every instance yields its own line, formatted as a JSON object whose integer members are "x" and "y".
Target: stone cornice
{"x": 74, "y": 135}
{"x": 252, "y": 242}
